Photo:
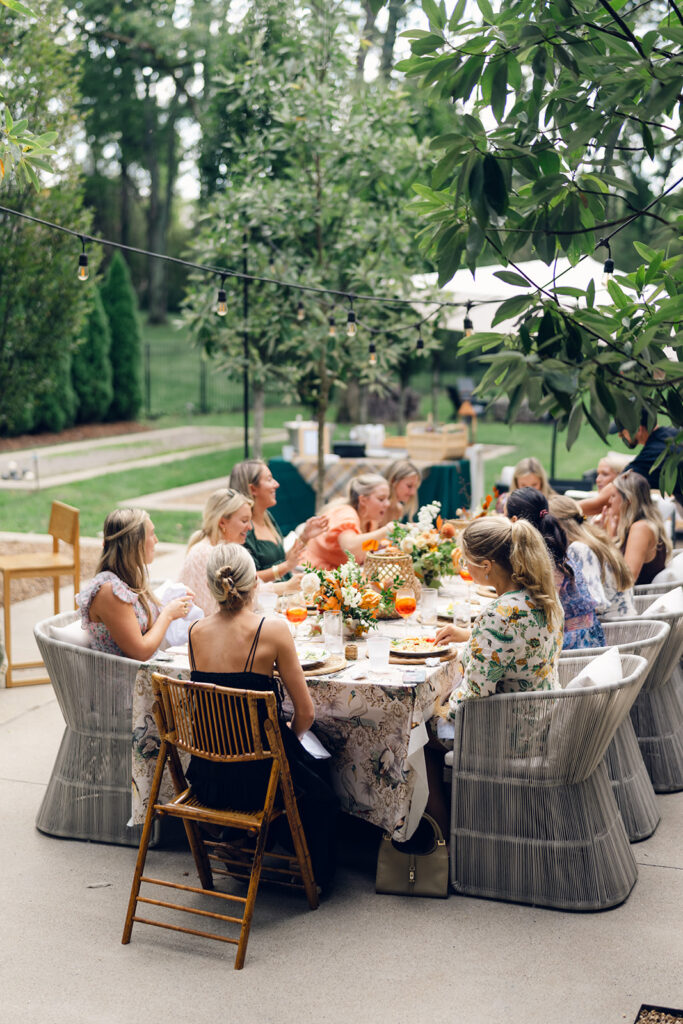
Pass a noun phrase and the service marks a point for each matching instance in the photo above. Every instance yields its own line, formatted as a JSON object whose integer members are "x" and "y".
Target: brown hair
{"x": 243, "y": 475}
{"x": 123, "y": 553}
{"x": 399, "y": 470}
{"x": 638, "y": 504}
{"x": 577, "y": 528}
{"x": 531, "y": 465}
{"x": 519, "y": 549}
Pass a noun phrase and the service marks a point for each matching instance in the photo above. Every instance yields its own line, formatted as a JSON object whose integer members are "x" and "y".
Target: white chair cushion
{"x": 606, "y": 668}
{"x": 673, "y": 572}
{"x": 671, "y": 602}
{"x": 71, "y": 634}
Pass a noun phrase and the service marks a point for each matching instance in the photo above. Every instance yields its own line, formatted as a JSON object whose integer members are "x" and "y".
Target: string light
{"x": 333, "y": 327}
{"x": 420, "y": 341}
{"x": 467, "y": 322}
{"x": 373, "y": 354}
{"x": 222, "y": 301}
{"x": 83, "y": 263}
{"x": 608, "y": 269}
{"x": 351, "y": 323}
{"x": 300, "y": 311}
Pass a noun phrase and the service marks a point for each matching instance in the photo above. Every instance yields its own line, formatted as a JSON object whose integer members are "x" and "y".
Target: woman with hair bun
{"x": 581, "y": 625}
{"x": 234, "y": 647}
{"x": 118, "y": 608}
{"x": 351, "y": 523}
{"x": 607, "y": 575}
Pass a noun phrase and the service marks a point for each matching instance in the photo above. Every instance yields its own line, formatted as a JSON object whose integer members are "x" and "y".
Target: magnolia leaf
{"x": 495, "y": 188}
{"x": 574, "y": 424}
{"x": 487, "y": 11}
{"x": 512, "y": 307}
{"x": 434, "y": 13}
{"x": 510, "y": 278}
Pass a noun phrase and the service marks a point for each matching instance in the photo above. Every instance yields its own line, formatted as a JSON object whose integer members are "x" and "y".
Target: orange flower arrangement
{"x": 344, "y": 590}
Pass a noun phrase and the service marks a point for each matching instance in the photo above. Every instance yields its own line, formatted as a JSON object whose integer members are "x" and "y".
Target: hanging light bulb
{"x": 468, "y": 326}
{"x": 351, "y": 324}
{"x": 222, "y": 301}
{"x": 608, "y": 271}
{"x": 83, "y": 264}
{"x": 420, "y": 341}
{"x": 373, "y": 354}
{"x": 333, "y": 327}
{"x": 300, "y": 311}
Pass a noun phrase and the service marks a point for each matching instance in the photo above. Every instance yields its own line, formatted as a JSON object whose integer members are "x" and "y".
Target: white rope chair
{"x": 89, "y": 793}
{"x": 631, "y": 783}
{"x": 643, "y": 589}
{"x": 533, "y": 818}
{"x": 657, "y": 715}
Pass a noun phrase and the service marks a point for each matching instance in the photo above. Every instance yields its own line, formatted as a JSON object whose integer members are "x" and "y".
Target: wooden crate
{"x": 447, "y": 442}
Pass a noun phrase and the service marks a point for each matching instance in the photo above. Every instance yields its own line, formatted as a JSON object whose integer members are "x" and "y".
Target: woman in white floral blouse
{"x": 515, "y": 642}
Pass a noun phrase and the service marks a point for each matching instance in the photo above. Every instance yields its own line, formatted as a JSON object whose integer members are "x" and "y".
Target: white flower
{"x": 310, "y": 583}
{"x": 351, "y": 597}
{"x": 407, "y": 544}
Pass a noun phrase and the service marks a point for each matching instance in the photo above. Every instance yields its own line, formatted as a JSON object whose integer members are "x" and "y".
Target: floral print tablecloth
{"x": 375, "y": 732}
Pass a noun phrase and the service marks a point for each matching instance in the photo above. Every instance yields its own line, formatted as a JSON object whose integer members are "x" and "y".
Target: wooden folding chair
{"x": 222, "y": 725}
{"x": 64, "y": 526}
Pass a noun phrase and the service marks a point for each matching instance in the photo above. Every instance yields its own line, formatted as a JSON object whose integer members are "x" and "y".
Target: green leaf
{"x": 574, "y": 425}
{"x": 15, "y": 5}
{"x": 487, "y": 11}
{"x": 428, "y": 44}
{"x": 499, "y": 85}
{"x": 511, "y": 307}
{"x": 510, "y": 278}
{"x": 449, "y": 259}
{"x": 495, "y": 188}
{"x": 670, "y": 310}
{"x": 590, "y": 293}
{"x": 674, "y": 404}
{"x": 647, "y": 141}
{"x": 605, "y": 396}
{"x": 628, "y": 412}
{"x": 475, "y": 243}
{"x": 434, "y": 13}
{"x": 458, "y": 11}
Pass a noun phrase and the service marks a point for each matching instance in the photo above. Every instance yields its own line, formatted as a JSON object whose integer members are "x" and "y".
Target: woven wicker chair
{"x": 533, "y": 818}
{"x": 631, "y": 783}
{"x": 225, "y": 726}
{"x": 643, "y": 589}
{"x": 89, "y": 793}
{"x": 657, "y": 714}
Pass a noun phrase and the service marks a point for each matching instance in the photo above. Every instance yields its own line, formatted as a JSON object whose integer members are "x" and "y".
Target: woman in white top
{"x": 609, "y": 578}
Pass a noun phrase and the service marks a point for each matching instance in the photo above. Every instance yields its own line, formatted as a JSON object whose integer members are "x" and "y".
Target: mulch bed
{"x": 85, "y": 432}
{"x": 23, "y": 589}
{"x": 658, "y": 1015}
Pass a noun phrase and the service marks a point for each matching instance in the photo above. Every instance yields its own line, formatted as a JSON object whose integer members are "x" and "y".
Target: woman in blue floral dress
{"x": 581, "y": 625}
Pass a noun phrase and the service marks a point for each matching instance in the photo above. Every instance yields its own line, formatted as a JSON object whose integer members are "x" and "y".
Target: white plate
{"x": 311, "y": 654}
{"x": 430, "y": 652}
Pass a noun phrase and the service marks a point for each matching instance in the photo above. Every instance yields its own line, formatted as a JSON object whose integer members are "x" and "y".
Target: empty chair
{"x": 64, "y": 526}
{"x": 533, "y": 817}
{"x": 89, "y": 792}
{"x": 226, "y": 726}
{"x": 657, "y": 714}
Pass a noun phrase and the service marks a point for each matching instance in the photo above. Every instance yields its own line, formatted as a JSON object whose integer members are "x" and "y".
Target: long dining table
{"x": 374, "y": 726}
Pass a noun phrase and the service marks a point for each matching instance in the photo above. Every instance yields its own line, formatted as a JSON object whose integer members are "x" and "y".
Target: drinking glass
{"x": 405, "y": 602}
{"x": 428, "y": 607}
{"x": 333, "y": 632}
{"x": 378, "y": 652}
{"x": 296, "y": 612}
{"x": 267, "y": 601}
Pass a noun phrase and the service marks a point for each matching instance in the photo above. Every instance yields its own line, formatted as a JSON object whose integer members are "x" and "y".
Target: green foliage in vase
{"x": 560, "y": 110}
{"x": 120, "y": 305}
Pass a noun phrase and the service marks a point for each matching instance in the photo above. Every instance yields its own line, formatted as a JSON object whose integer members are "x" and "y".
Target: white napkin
{"x": 176, "y": 633}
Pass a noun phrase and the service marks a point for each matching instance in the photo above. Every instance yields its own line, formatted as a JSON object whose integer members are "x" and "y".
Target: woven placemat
{"x": 335, "y": 663}
{"x": 396, "y": 659}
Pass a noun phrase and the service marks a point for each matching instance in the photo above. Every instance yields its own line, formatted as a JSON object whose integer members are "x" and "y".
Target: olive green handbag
{"x": 418, "y": 867}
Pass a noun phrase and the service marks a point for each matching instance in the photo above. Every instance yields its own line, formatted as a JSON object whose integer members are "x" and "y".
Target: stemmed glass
{"x": 296, "y": 612}
{"x": 405, "y": 602}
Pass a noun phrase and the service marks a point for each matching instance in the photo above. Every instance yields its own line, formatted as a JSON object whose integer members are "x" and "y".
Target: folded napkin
{"x": 178, "y": 630}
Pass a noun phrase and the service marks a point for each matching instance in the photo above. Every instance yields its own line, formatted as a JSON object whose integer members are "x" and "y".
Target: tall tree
{"x": 559, "y": 96}
{"x": 120, "y": 305}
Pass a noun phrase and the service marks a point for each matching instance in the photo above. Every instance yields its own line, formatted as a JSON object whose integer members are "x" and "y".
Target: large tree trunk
{"x": 396, "y": 12}
{"x": 367, "y": 36}
{"x": 258, "y": 411}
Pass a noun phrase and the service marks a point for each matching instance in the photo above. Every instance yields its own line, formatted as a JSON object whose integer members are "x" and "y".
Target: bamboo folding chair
{"x": 224, "y": 726}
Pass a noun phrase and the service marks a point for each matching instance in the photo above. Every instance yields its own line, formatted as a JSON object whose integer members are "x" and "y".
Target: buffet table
{"x": 373, "y": 725}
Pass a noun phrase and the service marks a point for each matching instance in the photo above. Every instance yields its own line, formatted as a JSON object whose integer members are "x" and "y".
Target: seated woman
{"x": 350, "y": 524}
{"x": 226, "y": 520}
{"x": 608, "y": 577}
{"x": 609, "y": 468}
{"x": 404, "y": 479}
{"x": 253, "y": 478}
{"x": 515, "y": 642}
{"x": 581, "y": 625}
{"x": 640, "y": 531}
{"x": 527, "y": 473}
{"x": 234, "y": 647}
{"x": 118, "y": 608}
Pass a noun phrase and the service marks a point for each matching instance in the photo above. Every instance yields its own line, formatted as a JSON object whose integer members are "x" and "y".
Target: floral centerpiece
{"x": 343, "y": 590}
{"x": 429, "y": 542}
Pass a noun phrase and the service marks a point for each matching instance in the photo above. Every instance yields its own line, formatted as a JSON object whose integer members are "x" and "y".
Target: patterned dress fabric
{"x": 193, "y": 575}
{"x": 100, "y": 637}
{"x": 581, "y": 625}
{"x": 511, "y": 649}
{"x": 611, "y": 603}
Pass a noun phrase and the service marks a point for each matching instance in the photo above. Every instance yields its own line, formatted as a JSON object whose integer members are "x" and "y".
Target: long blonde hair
{"x": 531, "y": 465}
{"x": 399, "y": 470}
{"x": 243, "y": 475}
{"x": 220, "y": 505}
{"x": 638, "y": 504}
{"x": 577, "y": 528}
{"x": 231, "y": 575}
{"x": 519, "y": 549}
{"x": 123, "y": 553}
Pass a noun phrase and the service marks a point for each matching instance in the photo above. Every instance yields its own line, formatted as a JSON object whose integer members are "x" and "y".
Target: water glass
{"x": 333, "y": 632}
{"x": 378, "y": 648}
{"x": 462, "y": 612}
{"x": 267, "y": 601}
{"x": 428, "y": 606}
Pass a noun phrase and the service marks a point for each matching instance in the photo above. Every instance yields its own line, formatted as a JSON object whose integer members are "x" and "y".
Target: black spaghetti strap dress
{"x": 243, "y": 786}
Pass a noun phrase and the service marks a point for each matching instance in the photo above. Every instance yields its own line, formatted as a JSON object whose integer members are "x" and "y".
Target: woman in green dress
{"x": 264, "y": 541}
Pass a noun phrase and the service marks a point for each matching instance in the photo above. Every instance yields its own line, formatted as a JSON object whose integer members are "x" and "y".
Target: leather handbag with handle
{"x": 418, "y": 867}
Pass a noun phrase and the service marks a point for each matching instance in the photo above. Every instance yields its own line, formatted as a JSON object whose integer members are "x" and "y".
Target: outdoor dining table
{"x": 374, "y": 726}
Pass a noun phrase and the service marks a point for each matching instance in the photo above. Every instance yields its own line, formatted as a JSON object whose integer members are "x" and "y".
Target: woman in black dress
{"x": 237, "y": 648}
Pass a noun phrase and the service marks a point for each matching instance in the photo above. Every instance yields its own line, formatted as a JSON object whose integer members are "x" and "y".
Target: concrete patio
{"x": 359, "y": 957}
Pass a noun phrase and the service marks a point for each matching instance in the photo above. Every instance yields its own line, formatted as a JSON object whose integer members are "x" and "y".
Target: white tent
{"x": 484, "y": 287}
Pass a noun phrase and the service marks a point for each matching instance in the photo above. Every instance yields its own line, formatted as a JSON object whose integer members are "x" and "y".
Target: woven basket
{"x": 383, "y": 568}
